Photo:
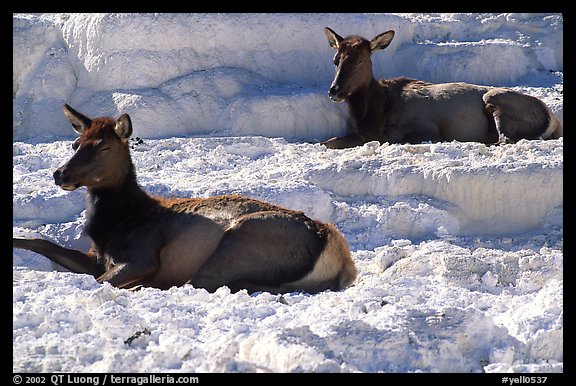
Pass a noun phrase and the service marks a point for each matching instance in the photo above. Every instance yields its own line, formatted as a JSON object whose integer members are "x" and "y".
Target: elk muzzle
{"x": 62, "y": 179}
{"x": 335, "y": 93}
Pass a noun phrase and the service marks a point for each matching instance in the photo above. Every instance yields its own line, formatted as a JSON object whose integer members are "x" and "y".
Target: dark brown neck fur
{"x": 366, "y": 108}
{"x": 369, "y": 106}
{"x": 112, "y": 210}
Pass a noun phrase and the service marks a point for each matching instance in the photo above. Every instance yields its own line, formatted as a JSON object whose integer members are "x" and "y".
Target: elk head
{"x": 102, "y": 156}
{"x": 352, "y": 61}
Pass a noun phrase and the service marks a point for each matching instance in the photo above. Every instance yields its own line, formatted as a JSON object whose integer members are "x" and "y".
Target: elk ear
{"x": 381, "y": 41}
{"x": 333, "y": 38}
{"x": 79, "y": 121}
{"x": 123, "y": 128}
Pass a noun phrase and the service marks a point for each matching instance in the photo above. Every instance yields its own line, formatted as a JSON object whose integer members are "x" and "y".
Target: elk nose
{"x": 334, "y": 92}
{"x": 61, "y": 177}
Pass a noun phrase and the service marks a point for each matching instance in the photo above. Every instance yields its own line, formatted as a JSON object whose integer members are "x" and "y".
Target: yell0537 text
{"x": 523, "y": 379}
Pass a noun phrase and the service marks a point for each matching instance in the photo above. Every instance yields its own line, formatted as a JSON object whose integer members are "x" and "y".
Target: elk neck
{"x": 110, "y": 209}
{"x": 367, "y": 105}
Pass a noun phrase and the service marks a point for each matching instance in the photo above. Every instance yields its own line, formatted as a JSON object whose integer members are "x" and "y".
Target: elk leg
{"x": 259, "y": 253}
{"x": 127, "y": 275}
{"x": 254, "y": 287}
{"x": 351, "y": 140}
{"x": 70, "y": 259}
{"x": 517, "y": 116}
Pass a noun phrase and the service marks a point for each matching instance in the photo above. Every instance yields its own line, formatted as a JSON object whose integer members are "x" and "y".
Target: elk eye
{"x": 336, "y": 60}
{"x": 102, "y": 146}
{"x": 75, "y": 144}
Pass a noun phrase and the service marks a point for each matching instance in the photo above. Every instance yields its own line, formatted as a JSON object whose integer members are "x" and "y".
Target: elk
{"x": 404, "y": 110}
{"x": 143, "y": 240}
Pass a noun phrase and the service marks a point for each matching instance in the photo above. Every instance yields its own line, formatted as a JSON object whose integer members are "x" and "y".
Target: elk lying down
{"x": 403, "y": 110}
{"x": 230, "y": 240}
